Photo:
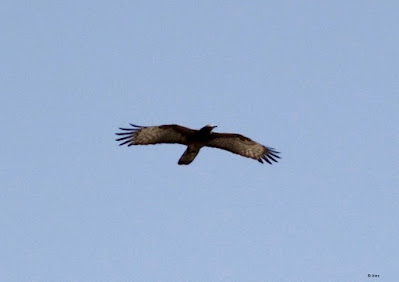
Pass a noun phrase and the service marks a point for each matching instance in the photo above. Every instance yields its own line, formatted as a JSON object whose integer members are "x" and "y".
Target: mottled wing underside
{"x": 243, "y": 146}
{"x": 145, "y": 135}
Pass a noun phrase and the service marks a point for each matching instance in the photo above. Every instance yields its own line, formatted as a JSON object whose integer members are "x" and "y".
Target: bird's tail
{"x": 189, "y": 155}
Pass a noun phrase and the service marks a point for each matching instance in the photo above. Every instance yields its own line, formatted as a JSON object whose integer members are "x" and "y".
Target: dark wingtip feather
{"x": 123, "y": 138}
{"x": 129, "y": 135}
{"x": 266, "y": 159}
{"x": 270, "y": 154}
{"x": 125, "y": 142}
{"x": 270, "y": 157}
{"x": 274, "y": 155}
{"x": 139, "y": 126}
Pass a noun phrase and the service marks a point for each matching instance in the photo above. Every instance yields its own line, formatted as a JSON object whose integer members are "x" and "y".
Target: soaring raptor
{"x": 195, "y": 140}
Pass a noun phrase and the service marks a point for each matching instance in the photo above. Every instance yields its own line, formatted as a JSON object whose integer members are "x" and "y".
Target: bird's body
{"x": 195, "y": 140}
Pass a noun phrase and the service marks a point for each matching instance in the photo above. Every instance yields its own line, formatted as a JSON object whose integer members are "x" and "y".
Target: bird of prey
{"x": 195, "y": 140}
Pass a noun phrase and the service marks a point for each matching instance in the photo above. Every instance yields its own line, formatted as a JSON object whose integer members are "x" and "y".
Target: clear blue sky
{"x": 318, "y": 81}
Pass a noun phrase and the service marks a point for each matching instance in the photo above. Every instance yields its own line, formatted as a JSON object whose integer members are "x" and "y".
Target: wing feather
{"x": 243, "y": 146}
{"x": 145, "y": 135}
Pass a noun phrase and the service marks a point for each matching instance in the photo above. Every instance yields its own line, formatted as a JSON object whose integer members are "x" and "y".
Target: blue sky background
{"x": 317, "y": 80}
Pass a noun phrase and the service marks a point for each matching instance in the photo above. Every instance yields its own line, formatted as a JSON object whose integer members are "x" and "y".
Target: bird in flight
{"x": 195, "y": 140}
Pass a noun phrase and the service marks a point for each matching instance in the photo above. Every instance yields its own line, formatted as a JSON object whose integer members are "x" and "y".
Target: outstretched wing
{"x": 243, "y": 146}
{"x": 144, "y": 135}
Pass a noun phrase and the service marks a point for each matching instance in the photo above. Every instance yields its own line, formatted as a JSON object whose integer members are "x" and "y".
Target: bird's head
{"x": 208, "y": 128}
